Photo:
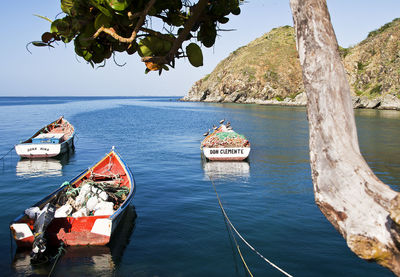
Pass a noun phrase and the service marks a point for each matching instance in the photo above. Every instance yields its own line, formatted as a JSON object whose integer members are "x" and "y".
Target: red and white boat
{"x": 52, "y": 140}
{"x": 224, "y": 144}
{"x": 65, "y": 216}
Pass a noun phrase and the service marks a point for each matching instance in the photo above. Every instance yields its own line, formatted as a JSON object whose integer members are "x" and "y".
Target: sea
{"x": 175, "y": 225}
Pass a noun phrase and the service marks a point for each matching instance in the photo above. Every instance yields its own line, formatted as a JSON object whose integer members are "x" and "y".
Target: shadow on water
{"x": 90, "y": 260}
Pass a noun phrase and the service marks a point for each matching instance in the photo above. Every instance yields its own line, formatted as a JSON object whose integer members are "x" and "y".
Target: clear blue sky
{"x": 57, "y": 72}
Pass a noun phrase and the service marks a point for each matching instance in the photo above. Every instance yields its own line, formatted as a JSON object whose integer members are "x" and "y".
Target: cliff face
{"x": 267, "y": 71}
{"x": 373, "y": 68}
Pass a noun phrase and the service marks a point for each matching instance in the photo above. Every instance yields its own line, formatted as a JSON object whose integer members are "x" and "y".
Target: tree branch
{"x": 169, "y": 58}
{"x": 111, "y": 31}
{"x": 158, "y": 34}
{"x": 197, "y": 11}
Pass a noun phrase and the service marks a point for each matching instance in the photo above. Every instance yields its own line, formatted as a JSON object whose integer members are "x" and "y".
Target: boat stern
{"x": 102, "y": 226}
{"x": 86, "y": 232}
{"x": 22, "y": 234}
{"x": 33, "y": 150}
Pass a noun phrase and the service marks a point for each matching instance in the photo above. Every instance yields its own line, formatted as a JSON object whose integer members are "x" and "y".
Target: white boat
{"x": 52, "y": 140}
{"x": 224, "y": 144}
{"x": 226, "y": 154}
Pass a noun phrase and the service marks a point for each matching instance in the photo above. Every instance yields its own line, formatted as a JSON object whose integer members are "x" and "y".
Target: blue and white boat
{"x": 52, "y": 140}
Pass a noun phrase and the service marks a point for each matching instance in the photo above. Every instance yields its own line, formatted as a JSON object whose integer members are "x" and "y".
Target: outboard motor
{"x": 39, "y": 246}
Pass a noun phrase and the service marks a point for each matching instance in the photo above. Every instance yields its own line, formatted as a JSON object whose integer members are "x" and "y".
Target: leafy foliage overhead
{"x": 99, "y": 28}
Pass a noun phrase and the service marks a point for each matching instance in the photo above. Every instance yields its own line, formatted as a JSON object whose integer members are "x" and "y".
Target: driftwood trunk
{"x": 362, "y": 208}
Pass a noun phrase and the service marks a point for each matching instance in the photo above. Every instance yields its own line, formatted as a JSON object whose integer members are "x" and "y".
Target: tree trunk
{"x": 362, "y": 208}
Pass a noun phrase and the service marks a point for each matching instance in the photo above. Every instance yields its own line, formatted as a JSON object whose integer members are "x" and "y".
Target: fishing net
{"x": 225, "y": 139}
{"x": 91, "y": 198}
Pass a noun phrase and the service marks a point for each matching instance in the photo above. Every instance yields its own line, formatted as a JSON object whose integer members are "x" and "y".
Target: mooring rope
{"x": 230, "y": 234}
{"x": 236, "y": 244}
{"x": 2, "y": 157}
{"x": 241, "y": 237}
{"x": 61, "y": 249}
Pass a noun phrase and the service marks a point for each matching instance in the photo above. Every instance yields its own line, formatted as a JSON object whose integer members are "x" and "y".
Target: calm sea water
{"x": 179, "y": 229}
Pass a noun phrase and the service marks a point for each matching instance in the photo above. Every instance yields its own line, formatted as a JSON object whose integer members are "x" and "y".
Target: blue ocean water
{"x": 179, "y": 229}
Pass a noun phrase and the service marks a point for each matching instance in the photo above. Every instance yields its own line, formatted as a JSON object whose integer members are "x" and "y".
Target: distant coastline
{"x": 267, "y": 71}
{"x": 387, "y": 102}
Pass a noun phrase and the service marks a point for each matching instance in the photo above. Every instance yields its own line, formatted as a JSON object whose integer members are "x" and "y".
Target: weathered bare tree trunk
{"x": 363, "y": 209}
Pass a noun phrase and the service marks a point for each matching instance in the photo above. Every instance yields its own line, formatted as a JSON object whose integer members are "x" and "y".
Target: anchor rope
{"x": 2, "y": 157}
{"x": 231, "y": 234}
{"x": 61, "y": 249}
{"x": 244, "y": 262}
{"x": 241, "y": 237}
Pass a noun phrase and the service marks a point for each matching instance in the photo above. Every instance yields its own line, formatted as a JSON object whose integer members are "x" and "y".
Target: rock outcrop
{"x": 267, "y": 71}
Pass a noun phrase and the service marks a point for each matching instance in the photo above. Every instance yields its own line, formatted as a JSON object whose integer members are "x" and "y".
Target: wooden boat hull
{"x": 43, "y": 150}
{"x": 31, "y": 150}
{"x": 226, "y": 154}
{"x": 85, "y": 230}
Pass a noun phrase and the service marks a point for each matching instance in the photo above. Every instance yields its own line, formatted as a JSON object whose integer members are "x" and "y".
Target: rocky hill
{"x": 373, "y": 68}
{"x": 267, "y": 71}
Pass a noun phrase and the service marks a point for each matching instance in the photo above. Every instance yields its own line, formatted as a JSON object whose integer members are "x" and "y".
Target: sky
{"x": 59, "y": 72}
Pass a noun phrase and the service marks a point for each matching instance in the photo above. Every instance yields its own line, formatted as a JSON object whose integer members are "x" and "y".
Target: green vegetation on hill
{"x": 373, "y": 64}
{"x": 384, "y": 27}
{"x": 268, "y": 68}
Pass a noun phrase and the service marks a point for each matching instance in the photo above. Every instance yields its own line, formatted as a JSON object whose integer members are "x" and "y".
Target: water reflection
{"x": 225, "y": 169}
{"x": 83, "y": 260}
{"x": 42, "y": 167}
{"x": 374, "y": 113}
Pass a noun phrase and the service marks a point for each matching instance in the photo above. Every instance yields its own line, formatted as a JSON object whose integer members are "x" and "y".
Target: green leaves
{"x": 207, "y": 34}
{"x": 102, "y": 20}
{"x": 39, "y": 43}
{"x": 122, "y": 32}
{"x": 101, "y": 8}
{"x": 66, "y": 6}
{"x": 61, "y": 26}
{"x": 43, "y": 17}
{"x": 154, "y": 46}
{"x": 194, "y": 54}
{"x": 118, "y": 5}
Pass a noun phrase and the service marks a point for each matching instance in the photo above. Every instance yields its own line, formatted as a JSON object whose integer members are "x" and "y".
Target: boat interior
{"x": 56, "y": 132}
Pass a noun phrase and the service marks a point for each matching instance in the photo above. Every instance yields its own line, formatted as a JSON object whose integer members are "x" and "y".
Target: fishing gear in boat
{"x": 84, "y": 211}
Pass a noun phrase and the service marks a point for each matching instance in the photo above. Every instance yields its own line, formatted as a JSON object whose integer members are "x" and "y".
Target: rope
{"x": 229, "y": 228}
{"x": 2, "y": 157}
{"x": 61, "y": 249}
{"x": 241, "y": 237}
{"x": 247, "y": 268}
{"x": 230, "y": 234}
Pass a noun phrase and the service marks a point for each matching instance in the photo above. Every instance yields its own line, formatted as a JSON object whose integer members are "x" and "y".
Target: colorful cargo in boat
{"x": 109, "y": 187}
{"x": 224, "y": 144}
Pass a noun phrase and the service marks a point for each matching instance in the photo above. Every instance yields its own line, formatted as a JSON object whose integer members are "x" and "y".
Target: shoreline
{"x": 387, "y": 102}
